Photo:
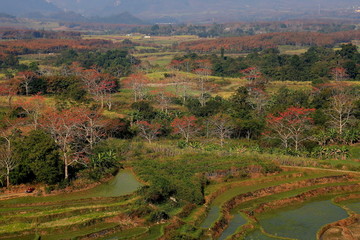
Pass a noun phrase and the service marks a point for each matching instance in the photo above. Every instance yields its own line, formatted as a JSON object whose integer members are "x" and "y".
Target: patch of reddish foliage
{"x": 270, "y": 40}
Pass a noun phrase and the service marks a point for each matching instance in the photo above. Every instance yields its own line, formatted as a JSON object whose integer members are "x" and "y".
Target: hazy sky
{"x": 183, "y": 9}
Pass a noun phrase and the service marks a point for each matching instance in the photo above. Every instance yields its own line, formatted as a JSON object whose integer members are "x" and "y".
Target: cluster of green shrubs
{"x": 184, "y": 177}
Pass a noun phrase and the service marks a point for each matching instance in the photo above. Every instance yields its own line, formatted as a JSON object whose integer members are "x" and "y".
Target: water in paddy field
{"x": 212, "y": 216}
{"x": 235, "y": 223}
{"x": 122, "y": 184}
{"x": 302, "y": 223}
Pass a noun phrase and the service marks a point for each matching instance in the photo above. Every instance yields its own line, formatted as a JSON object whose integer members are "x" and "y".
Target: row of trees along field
{"x": 317, "y": 64}
{"x": 11, "y": 33}
{"x": 66, "y": 107}
{"x": 269, "y": 40}
{"x": 219, "y": 30}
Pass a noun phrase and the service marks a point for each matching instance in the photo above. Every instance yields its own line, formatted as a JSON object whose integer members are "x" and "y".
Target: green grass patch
{"x": 291, "y": 50}
{"x": 85, "y": 231}
{"x": 155, "y": 232}
{"x": 16, "y": 227}
{"x": 127, "y": 233}
{"x": 78, "y": 219}
{"x": 354, "y": 152}
{"x": 70, "y": 209}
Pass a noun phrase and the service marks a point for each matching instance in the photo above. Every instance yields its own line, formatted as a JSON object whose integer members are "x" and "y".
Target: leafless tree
{"x": 203, "y": 83}
{"x": 26, "y": 79}
{"x": 340, "y": 111}
{"x": 7, "y": 162}
{"x": 92, "y": 128}
{"x": 259, "y": 100}
{"x": 138, "y": 84}
{"x": 221, "y": 127}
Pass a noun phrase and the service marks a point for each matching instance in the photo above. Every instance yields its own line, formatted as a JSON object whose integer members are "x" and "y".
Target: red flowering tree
{"x": 290, "y": 125}
{"x": 137, "y": 82}
{"x": 65, "y": 128}
{"x": 339, "y": 73}
{"x": 182, "y": 84}
{"x": 100, "y": 85}
{"x": 163, "y": 98}
{"x": 147, "y": 130}
{"x": 9, "y": 88}
{"x": 33, "y": 106}
{"x": 251, "y": 73}
{"x": 185, "y": 126}
{"x": 185, "y": 65}
{"x": 176, "y": 64}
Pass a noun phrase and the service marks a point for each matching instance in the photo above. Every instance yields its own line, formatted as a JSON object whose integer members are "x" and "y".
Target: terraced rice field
{"x": 294, "y": 204}
{"x": 291, "y": 205}
{"x": 97, "y": 213}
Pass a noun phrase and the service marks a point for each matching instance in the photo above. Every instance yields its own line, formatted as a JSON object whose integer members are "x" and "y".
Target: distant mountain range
{"x": 44, "y": 9}
{"x": 171, "y": 10}
{"x": 23, "y": 7}
{"x": 193, "y": 9}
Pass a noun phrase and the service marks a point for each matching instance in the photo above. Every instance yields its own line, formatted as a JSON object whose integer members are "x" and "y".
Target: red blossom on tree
{"x": 33, "y": 106}
{"x": 185, "y": 126}
{"x": 251, "y": 73}
{"x": 65, "y": 127}
{"x": 163, "y": 98}
{"x": 176, "y": 64}
{"x": 289, "y": 125}
{"x": 9, "y": 89}
{"x": 203, "y": 64}
{"x": 137, "y": 82}
{"x": 100, "y": 85}
{"x": 147, "y": 130}
{"x": 339, "y": 73}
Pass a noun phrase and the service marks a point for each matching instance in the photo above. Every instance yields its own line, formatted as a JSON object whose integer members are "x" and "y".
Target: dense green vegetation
{"x": 317, "y": 64}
